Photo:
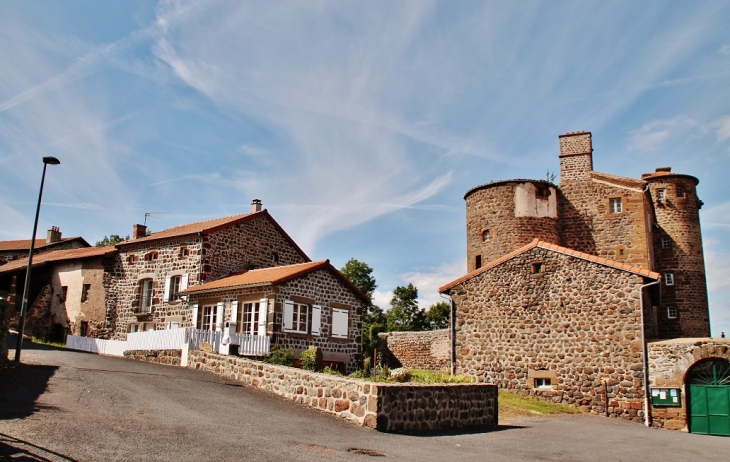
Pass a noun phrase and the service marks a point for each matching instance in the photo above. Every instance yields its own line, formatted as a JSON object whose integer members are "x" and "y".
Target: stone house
{"x": 297, "y": 306}
{"x": 12, "y": 250}
{"x": 569, "y": 286}
{"x": 67, "y": 292}
{"x": 151, "y": 270}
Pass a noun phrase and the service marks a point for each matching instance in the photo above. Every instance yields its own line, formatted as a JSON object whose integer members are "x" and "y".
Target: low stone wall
{"x": 416, "y": 350}
{"x": 384, "y": 406}
{"x": 169, "y": 357}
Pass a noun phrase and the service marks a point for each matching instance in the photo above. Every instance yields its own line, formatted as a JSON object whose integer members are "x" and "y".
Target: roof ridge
{"x": 598, "y": 259}
{"x": 230, "y": 217}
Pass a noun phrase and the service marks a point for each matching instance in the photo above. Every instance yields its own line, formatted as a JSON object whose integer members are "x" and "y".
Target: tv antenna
{"x": 152, "y": 215}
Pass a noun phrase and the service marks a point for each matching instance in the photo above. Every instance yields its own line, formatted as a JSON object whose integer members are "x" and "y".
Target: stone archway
{"x": 708, "y": 397}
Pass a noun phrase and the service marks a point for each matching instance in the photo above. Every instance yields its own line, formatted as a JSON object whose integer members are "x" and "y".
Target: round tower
{"x": 503, "y": 216}
{"x": 678, "y": 255}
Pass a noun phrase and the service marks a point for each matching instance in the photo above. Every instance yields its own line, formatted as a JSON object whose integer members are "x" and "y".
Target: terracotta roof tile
{"x": 616, "y": 180}
{"x": 556, "y": 248}
{"x": 57, "y": 255}
{"x": 653, "y": 175}
{"x": 40, "y": 242}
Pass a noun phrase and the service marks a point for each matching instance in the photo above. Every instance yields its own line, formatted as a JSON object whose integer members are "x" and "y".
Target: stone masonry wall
{"x": 669, "y": 362}
{"x": 382, "y": 406}
{"x": 416, "y": 350}
{"x": 577, "y": 322}
{"x": 168, "y": 357}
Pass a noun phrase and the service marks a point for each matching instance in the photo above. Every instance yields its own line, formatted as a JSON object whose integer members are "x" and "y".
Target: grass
{"x": 421, "y": 376}
{"x": 41, "y": 341}
{"x": 513, "y": 407}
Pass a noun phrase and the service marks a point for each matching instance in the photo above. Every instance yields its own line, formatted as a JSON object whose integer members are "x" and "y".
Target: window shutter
{"x": 234, "y": 311}
{"x": 184, "y": 282}
{"x": 316, "y": 319}
{"x": 195, "y": 316}
{"x": 167, "y": 288}
{"x": 340, "y": 320}
{"x": 263, "y": 316}
{"x": 288, "y": 316}
{"x": 218, "y": 317}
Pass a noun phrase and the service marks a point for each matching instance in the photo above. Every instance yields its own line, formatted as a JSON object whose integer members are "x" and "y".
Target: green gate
{"x": 709, "y": 397}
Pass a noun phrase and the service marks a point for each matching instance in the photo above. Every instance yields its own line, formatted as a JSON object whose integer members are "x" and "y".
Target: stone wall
{"x": 383, "y": 406}
{"x": 416, "y": 350}
{"x": 669, "y": 362}
{"x": 168, "y": 357}
{"x": 4, "y": 326}
{"x": 577, "y": 323}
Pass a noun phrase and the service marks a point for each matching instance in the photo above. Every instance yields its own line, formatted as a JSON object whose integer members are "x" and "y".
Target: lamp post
{"x": 24, "y": 306}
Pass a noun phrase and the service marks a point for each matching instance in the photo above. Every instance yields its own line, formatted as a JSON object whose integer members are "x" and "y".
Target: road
{"x": 65, "y": 405}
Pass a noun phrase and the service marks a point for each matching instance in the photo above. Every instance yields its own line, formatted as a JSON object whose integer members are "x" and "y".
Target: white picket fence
{"x": 170, "y": 339}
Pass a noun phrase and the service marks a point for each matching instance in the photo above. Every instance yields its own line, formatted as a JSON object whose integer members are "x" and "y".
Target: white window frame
{"x": 249, "y": 317}
{"x": 208, "y": 317}
{"x": 174, "y": 283}
{"x": 671, "y": 312}
{"x": 666, "y": 242}
{"x": 615, "y": 205}
{"x": 145, "y": 295}
{"x": 340, "y": 323}
{"x": 296, "y": 317}
{"x": 543, "y": 382}
{"x": 661, "y": 194}
{"x": 669, "y": 279}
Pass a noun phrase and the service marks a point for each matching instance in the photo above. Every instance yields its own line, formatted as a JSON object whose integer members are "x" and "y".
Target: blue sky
{"x": 359, "y": 124}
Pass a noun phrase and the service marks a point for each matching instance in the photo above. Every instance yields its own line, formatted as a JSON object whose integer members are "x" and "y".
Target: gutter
{"x": 645, "y": 356}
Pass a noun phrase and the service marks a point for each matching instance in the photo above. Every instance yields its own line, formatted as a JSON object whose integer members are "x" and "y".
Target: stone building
{"x": 151, "y": 270}
{"x": 568, "y": 286}
{"x": 12, "y": 250}
{"x": 297, "y": 306}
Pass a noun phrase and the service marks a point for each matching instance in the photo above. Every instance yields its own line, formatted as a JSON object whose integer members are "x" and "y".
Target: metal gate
{"x": 709, "y": 397}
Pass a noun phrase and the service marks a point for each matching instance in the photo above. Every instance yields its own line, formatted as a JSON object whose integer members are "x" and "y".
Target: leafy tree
{"x": 437, "y": 316}
{"x": 373, "y": 317}
{"x": 113, "y": 239}
{"x": 360, "y": 274}
{"x": 404, "y": 314}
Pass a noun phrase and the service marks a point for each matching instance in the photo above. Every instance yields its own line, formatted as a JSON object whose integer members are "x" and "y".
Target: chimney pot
{"x": 139, "y": 231}
{"x": 255, "y": 205}
{"x": 54, "y": 235}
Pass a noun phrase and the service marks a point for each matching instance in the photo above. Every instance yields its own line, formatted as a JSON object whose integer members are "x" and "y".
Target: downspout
{"x": 452, "y": 332}
{"x": 645, "y": 357}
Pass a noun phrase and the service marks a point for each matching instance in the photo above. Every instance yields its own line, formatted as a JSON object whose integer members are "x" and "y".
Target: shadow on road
{"x": 467, "y": 431}
{"x": 20, "y": 386}
{"x": 15, "y": 449}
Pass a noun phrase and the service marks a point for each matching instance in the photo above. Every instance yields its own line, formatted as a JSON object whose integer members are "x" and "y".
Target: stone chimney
{"x": 54, "y": 235}
{"x": 255, "y": 205}
{"x": 138, "y": 231}
{"x": 576, "y": 156}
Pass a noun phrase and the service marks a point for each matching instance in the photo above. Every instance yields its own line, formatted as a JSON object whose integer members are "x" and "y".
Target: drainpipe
{"x": 645, "y": 357}
{"x": 452, "y": 332}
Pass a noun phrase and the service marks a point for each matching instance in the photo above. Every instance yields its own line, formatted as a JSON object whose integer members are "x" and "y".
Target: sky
{"x": 361, "y": 124}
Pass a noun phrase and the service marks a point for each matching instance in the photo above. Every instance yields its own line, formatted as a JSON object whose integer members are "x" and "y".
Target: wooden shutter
{"x": 218, "y": 316}
{"x": 263, "y": 316}
{"x": 184, "y": 281}
{"x": 195, "y": 315}
{"x": 340, "y": 319}
{"x": 316, "y": 319}
{"x": 288, "y": 316}
{"x": 234, "y": 311}
{"x": 167, "y": 288}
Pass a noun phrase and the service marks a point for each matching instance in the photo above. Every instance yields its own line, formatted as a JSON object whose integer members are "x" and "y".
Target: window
{"x": 184, "y": 252}
{"x": 209, "y": 315}
{"x": 478, "y": 262}
{"x": 485, "y": 235}
{"x": 145, "y": 295}
{"x": 275, "y": 257}
{"x": 84, "y": 328}
{"x": 615, "y": 205}
{"x": 173, "y": 286}
{"x": 672, "y": 312}
{"x": 297, "y": 318}
{"x": 85, "y": 293}
{"x": 134, "y": 327}
{"x": 543, "y": 382}
{"x": 249, "y": 316}
{"x": 300, "y": 317}
{"x": 680, "y": 191}
{"x": 537, "y": 268}
{"x": 660, "y": 194}
{"x": 151, "y": 256}
{"x": 340, "y": 323}
{"x": 669, "y": 279}
{"x": 666, "y": 242}
{"x": 621, "y": 252}
{"x": 131, "y": 259}
{"x": 62, "y": 295}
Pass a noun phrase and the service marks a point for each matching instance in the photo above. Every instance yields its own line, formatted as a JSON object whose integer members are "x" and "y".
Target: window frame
{"x": 661, "y": 194}
{"x": 146, "y": 292}
{"x": 486, "y": 235}
{"x": 542, "y": 382}
{"x": 477, "y": 262}
{"x": 211, "y": 312}
{"x": 672, "y": 312}
{"x": 85, "y": 288}
{"x": 615, "y": 205}
{"x": 298, "y": 311}
{"x": 666, "y": 242}
{"x": 64, "y": 293}
{"x": 668, "y": 279}
{"x": 679, "y": 190}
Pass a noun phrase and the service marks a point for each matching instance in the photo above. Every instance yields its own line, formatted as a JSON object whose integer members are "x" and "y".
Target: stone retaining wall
{"x": 169, "y": 357}
{"x": 385, "y": 407}
{"x": 416, "y": 350}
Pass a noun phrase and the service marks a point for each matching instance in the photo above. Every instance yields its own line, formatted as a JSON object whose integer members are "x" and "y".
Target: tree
{"x": 113, "y": 239}
{"x": 404, "y": 314}
{"x": 373, "y": 317}
{"x": 360, "y": 274}
{"x": 437, "y": 316}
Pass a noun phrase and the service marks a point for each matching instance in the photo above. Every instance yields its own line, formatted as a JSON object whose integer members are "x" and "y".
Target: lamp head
{"x": 51, "y": 160}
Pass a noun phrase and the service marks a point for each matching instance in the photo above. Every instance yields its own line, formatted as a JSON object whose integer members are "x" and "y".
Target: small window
{"x": 621, "y": 252}
{"x": 175, "y": 287}
{"x": 151, "y": 256}
{"x": 485, "y": 235}
{"x": 275, "y": 257}
{"x": 672, "y": 312}
{"x": 536, "y": 268}
{"x": 296, "y": 318}
{"x": 63, "y": 294}
{"x": 680, "y": 191}
{"x": 477, "y": 262}
{"x": 145, "y": 295}
{"x": 542, "y": 192}
{"x": 340, "y": 323}
{"x": 669, "y": 279}
{"x": 660, "y": 194}
{"x": 666, "y": 242}
{"x": 84, "y": 328}
{"x": 134, "y": 327}
{"x": 85, "y": 293}
{"x": 543, "y": 382}
{"x": 615, "y": 205}
{"x": 131, "y": 259}
{"x": 184, "y": 252}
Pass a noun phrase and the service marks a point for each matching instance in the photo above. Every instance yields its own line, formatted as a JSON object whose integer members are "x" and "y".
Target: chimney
{"x": 576, "y": 156}
{"x": 255, "y": 205}
{"x": 138, "y": 231}
{"x": 54, "y": 235}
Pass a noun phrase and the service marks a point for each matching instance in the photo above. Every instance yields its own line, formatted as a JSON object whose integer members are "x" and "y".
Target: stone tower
{"x": 504, "y": 215}
{"x": 678, "y": 255}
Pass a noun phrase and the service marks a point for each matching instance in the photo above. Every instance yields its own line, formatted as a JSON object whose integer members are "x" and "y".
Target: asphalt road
{"x": 65, "y": 405}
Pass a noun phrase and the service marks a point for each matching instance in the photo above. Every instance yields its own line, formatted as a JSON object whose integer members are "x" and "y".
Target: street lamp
{"x": 24, "y": 306}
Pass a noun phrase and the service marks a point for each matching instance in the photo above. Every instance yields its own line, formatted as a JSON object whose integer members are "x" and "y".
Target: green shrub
{"x": 330, "y": 371}
{"x": 308, "y": 358}
{"x": 421, "y": 376}
{"x": 280, "y": 356}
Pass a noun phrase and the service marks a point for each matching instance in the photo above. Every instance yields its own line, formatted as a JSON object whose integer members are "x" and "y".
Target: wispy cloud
{"x": 430, "y": 280}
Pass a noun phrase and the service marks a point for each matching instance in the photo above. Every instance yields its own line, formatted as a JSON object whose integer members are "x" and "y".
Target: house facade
{"x": 295, "y": 306}
{"x": 13, "y": 250}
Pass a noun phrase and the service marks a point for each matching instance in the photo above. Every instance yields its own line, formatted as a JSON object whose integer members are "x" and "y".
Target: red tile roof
{"x": 24, "y": 244}
{"x": 654, "y": 175}
{"x": 57, "y": 255}
{"x": 619, "y": 180}
{"x": 272, "y": 276}
{"x": 556, "y": 248}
